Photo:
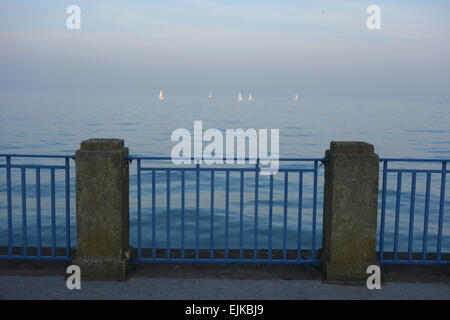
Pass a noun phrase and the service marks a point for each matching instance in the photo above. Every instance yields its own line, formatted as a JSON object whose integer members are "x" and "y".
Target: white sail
{"x": 250, "y": 98}
{"x": 161, "y": 96}
{"x": 296, "y": 96}
{"x": 240, "y": 98}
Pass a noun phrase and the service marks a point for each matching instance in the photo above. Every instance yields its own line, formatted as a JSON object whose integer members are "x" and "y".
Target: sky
{"x": 320, "y": 48}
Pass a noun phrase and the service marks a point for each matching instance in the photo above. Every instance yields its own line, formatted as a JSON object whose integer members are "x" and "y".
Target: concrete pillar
{"x": 350, "y": 212}
{"x": 102, "y": 213}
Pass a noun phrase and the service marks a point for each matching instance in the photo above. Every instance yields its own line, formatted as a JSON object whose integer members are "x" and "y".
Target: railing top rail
{"x": 138, "y": 157}
{"x": 16, "y": 155}
{"x": 413, "y": 160}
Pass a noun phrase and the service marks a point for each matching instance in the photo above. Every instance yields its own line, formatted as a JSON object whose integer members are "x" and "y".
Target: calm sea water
{"x": 57, "y": 123}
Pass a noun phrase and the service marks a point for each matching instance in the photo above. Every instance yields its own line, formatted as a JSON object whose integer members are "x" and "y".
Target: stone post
{"x": 102, "y": 209}
{"x": 350, "y": 212}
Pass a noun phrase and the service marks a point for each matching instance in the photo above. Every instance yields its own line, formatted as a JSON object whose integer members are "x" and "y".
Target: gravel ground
{"x": 54, "y": 287}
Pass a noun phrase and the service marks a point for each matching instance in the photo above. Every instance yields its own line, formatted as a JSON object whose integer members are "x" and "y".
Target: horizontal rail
{"x": 416, "y": 262}
{"x": 232, "y": 261}
{"x": 16, "y": 155}
{"x": 413, "y": 160}
{"x": 31, "y": 166}
{"x": 136, "y": 157}
{"x": 418, "y": 170}
{"x": 219, "y": 169}
{"x": 35, "y": 258}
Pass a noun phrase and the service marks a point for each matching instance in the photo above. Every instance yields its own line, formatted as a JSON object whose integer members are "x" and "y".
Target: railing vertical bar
{"x": 24, "y": 211}
{"x": 441, "y": 210}
{"x": 241, "y": 216}
{"x": 182, "y": 212}
{"x": 227, "y": 207}
{"x": 255, "y": 252}
{"x": 67, "y": 177}
{"x": 270, "y": 216}
{"x": 425, "y": 222}
{"x": 197, "y": 210}
{"x": 9, "y": 196}
{"x": 411, "y": 216}
{"x": 299, "y": 224}
{"x": 211, "y": 246}
{"x": 383, "y": 209}
{"x": 285, "y": 214}
{"x": 168, "y": 213}
{"x": 397, "y": 214}
{"x": 53, "y": 212}
{"x": 313, "y": 249}
{"x": 153, "y": 215}
{"x": 139, "y": 209}
{"x": 38, "y": 211}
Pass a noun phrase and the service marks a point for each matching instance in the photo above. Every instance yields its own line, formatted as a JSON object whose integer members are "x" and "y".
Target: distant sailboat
{"x": 161, "y": 97}
{"x": 240, "y": 98}
{"x": 250, "y": 98}
{"x": 296, "y": 97}
{"x": 210, "y": 97}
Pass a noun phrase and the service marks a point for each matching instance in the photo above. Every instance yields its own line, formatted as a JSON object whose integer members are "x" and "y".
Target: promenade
{"x": 33, "y": 280}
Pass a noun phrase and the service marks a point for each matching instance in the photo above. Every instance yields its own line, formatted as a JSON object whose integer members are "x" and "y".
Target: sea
{"x": 56, "y": 123}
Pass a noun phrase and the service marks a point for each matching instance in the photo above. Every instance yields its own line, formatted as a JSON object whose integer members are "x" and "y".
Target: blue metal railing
{"x": 413, "y": 224}
{"x": 27, "y": 251}
{"x": 424, "y": 175}
{"x": 254, "y": 253}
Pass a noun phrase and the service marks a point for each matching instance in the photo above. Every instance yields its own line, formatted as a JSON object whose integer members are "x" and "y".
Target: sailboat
{"x": 161, "y": 97}
{"x": 240, "y": 98}
{"x": 250, "y": 98}
{"x": 210, "y": 97}
{"x": 296, "y": 97}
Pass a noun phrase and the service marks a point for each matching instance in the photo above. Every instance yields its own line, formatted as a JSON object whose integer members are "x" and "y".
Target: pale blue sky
{"x": 320, "y": 48}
